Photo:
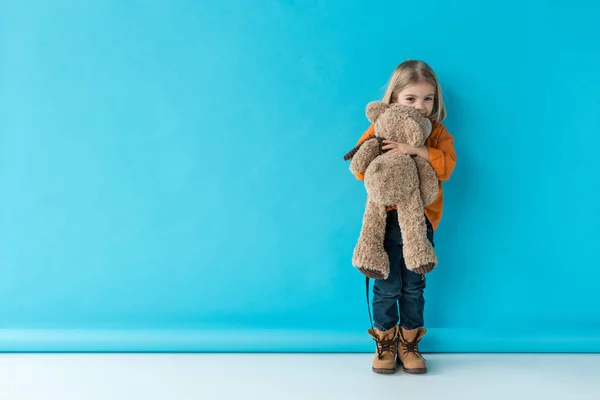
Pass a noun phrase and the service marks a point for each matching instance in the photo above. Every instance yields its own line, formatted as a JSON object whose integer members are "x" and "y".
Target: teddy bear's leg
{"x": 419, "y": 254}
{"x": 370, "y": 256}
{"x": 428, "y": 181}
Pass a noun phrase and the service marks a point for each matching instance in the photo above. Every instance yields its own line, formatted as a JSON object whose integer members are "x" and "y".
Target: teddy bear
{"x": 408, "y": 182}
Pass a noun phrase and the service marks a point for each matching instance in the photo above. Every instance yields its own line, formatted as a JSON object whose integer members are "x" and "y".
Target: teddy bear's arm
{"x": 364, "y": 156}
{"x": 429, "y": 181}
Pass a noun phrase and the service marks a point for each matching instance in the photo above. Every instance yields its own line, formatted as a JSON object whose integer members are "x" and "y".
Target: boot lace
{"x": 384, "y": 345}
{"x": 411, "y": 347}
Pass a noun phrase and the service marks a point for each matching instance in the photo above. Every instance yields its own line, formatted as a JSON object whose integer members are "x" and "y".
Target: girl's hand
{"x": 400, "y": 148}
{"x": 403, "y": 148}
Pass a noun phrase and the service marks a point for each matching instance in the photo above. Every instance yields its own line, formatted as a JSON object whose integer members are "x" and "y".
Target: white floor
{"x": 294, "y": 376}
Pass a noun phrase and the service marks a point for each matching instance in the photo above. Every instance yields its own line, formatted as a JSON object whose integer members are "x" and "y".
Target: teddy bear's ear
{"x": 375, "y": 109}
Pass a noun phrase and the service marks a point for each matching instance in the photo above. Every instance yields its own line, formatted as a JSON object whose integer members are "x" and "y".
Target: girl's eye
{"x": 410, "y": 98}
{"x": 429, "y": 99}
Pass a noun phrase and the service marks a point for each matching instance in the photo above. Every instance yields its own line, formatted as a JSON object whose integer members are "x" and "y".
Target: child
{"x": 398, "y": 301}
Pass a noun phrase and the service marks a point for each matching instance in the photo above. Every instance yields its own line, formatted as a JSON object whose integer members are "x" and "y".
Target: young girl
{"x": 398, "y": 301}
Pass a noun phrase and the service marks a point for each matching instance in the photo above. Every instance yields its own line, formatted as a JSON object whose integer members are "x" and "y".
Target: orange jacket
{"x": 443, "y": 159}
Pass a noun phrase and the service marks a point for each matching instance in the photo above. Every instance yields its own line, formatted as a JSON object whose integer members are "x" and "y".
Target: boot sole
{"x": 384, "y": 371}
{"x": 415, "y": 371}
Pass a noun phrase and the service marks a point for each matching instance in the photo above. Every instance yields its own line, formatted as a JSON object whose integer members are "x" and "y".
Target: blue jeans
{"x": 403, "y": 289}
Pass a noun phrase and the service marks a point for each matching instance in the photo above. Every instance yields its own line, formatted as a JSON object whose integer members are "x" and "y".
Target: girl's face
{"x": 419, "y": 95}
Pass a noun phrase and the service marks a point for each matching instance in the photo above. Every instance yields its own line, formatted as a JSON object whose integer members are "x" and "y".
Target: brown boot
{"x": 408, "y": 351}
{"x": 385, "y": 356}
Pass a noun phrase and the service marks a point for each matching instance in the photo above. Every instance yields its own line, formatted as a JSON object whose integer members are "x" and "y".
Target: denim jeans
{"x": 403, "y": 289}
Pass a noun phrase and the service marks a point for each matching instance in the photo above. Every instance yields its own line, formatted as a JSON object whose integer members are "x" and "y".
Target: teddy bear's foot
{"x": 371, "y": 261}
{"x": 424, "y": 269}
{"x": 371, "y": 274}
{"x": 421, "y": 261}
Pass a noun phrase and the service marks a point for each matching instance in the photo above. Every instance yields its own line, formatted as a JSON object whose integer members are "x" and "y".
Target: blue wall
{"x": 171, "y": 173}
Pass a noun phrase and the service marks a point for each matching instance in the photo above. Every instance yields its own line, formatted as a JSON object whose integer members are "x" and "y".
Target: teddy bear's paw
{"x": 372, "y": 262}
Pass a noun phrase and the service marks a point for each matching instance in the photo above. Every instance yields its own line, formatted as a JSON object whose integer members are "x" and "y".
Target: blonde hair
{"x": 411, "y": 72}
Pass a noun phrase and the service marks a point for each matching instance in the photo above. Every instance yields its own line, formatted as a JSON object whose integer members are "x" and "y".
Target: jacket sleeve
{"x": 443, "y": 155}
{"x": 369, "y": 133}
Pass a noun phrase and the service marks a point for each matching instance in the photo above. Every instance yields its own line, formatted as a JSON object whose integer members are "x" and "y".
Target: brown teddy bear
{"x": 408, "y": 182}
